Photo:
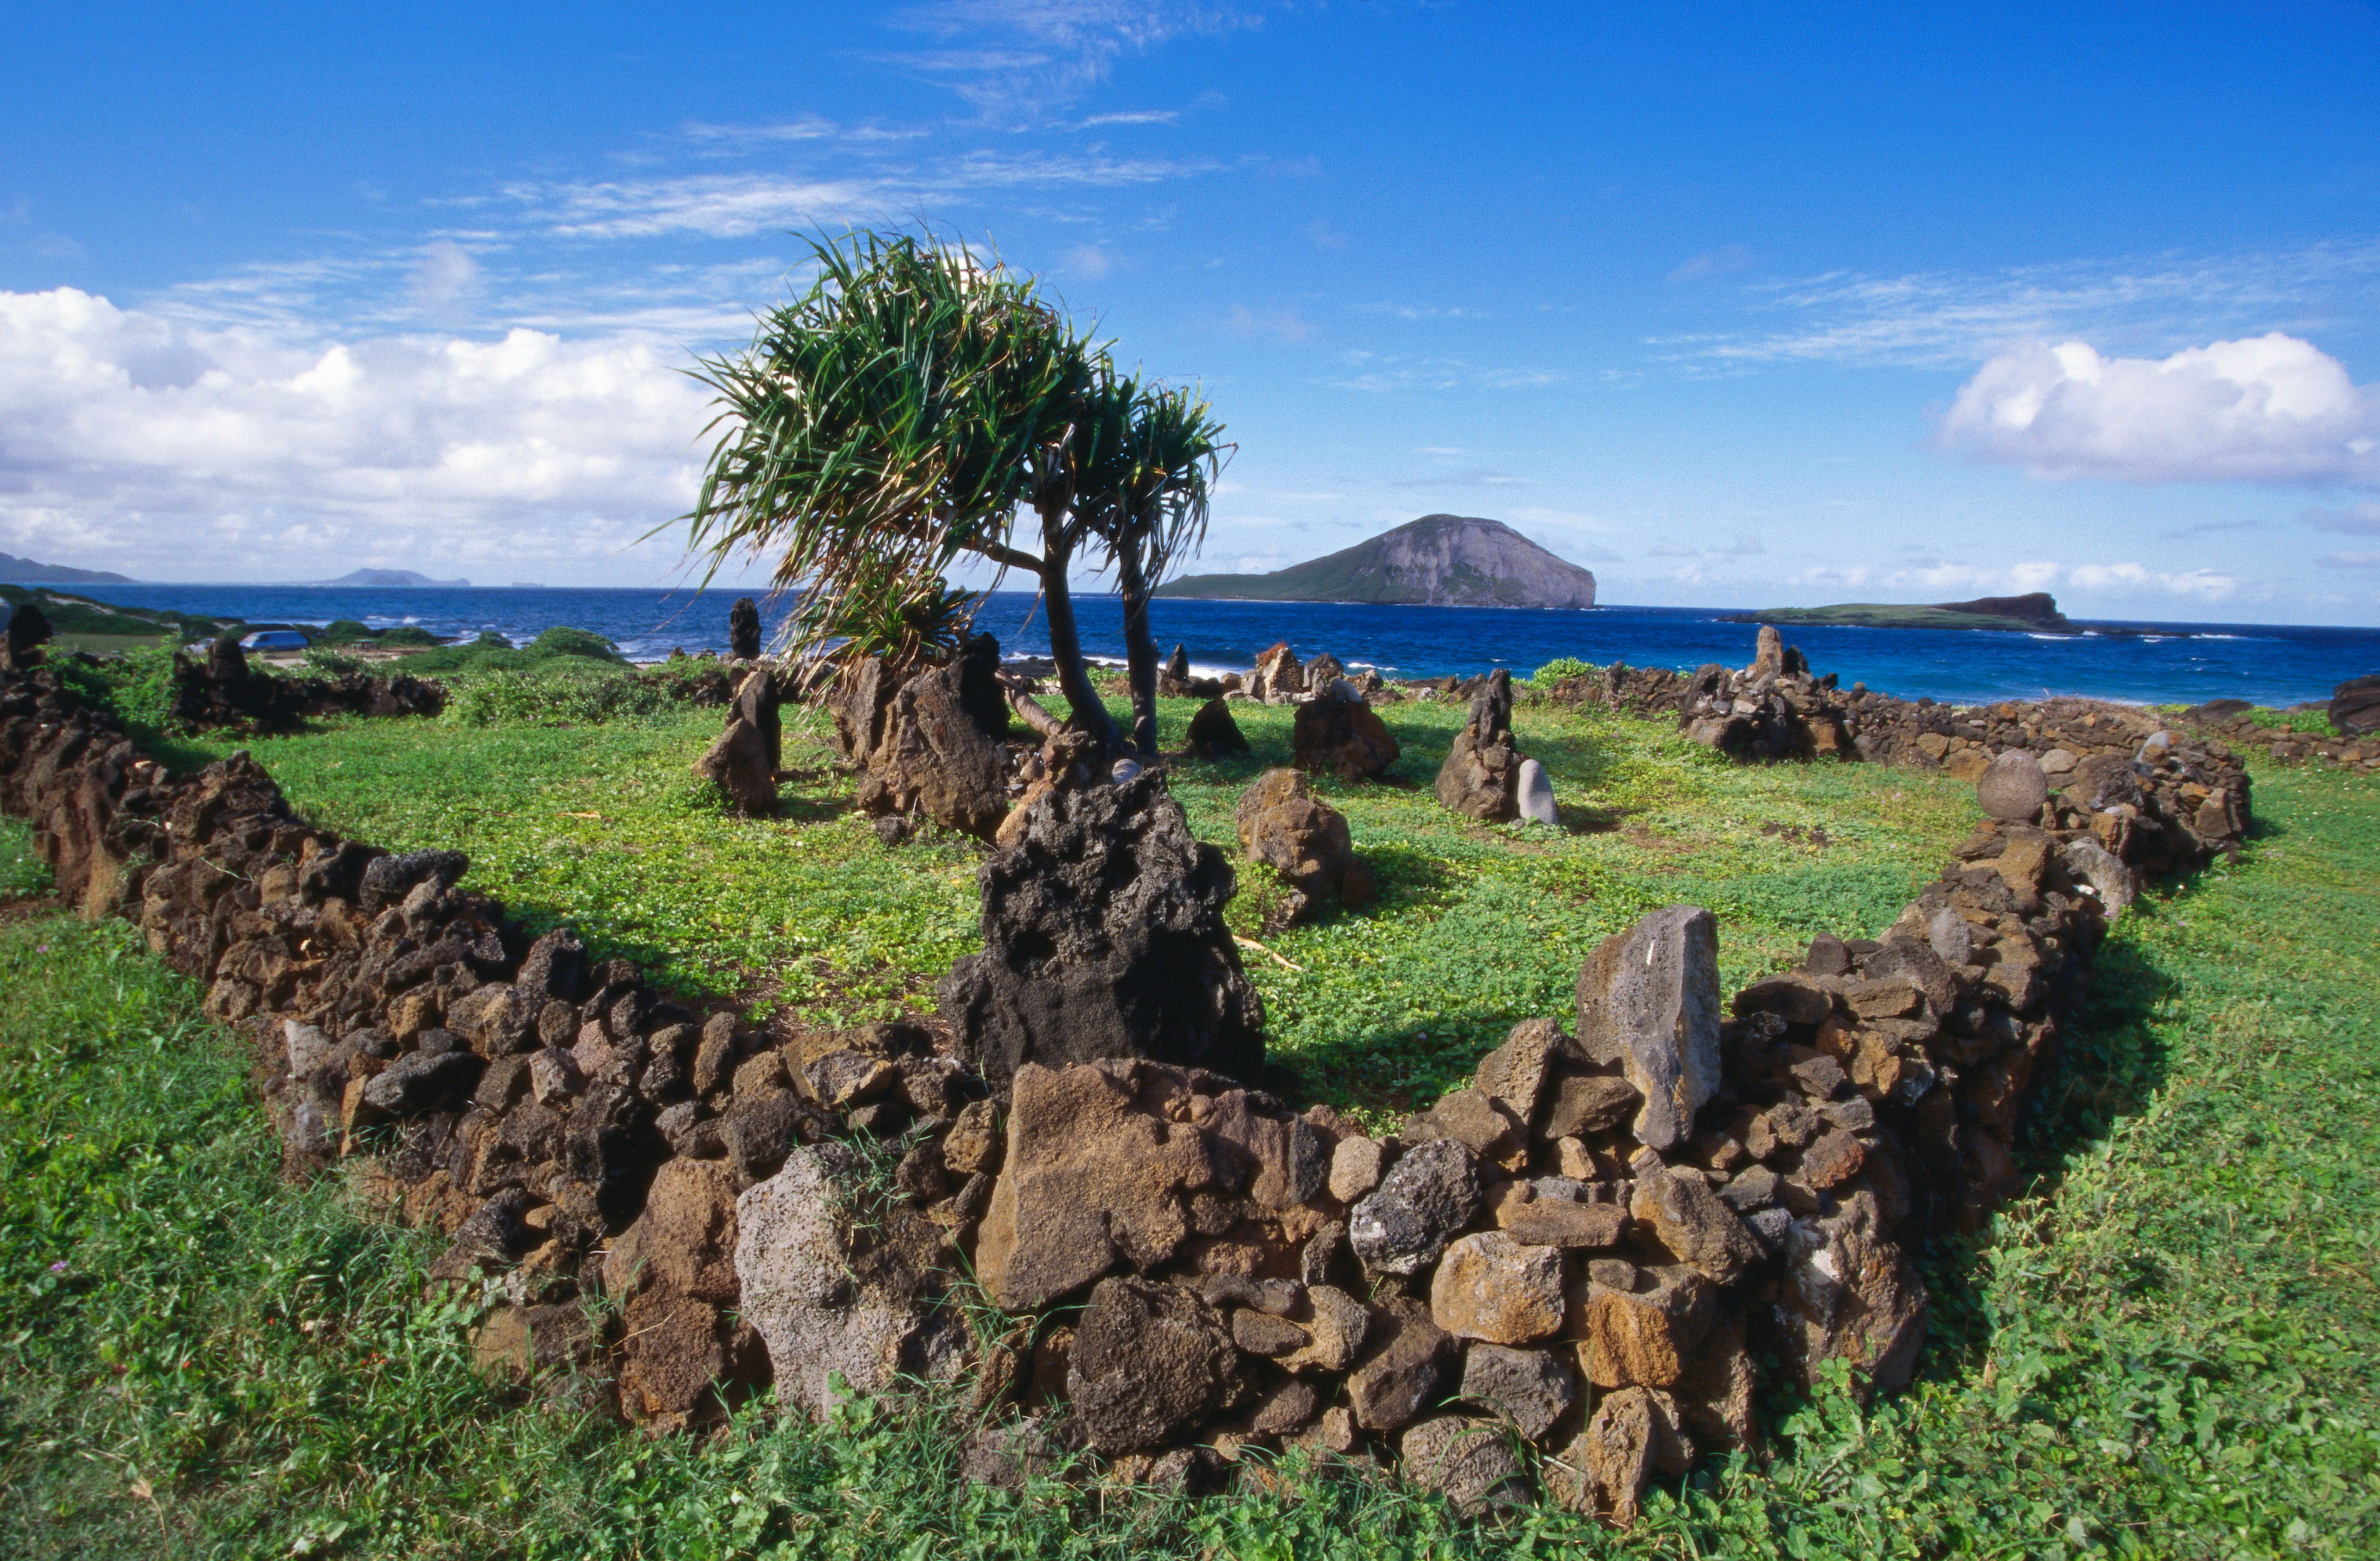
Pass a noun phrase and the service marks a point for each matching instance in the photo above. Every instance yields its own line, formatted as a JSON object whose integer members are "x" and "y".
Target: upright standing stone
{"x": 1648, "y": 999}
{"x": 1536, "y": 794}
{"x": 744, "y": 629}
{"x": 1769, "y": 660}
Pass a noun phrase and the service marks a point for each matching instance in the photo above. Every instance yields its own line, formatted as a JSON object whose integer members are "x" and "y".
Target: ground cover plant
{"x": 2169, "y": 1351}
{"x": 1474, "y": 927}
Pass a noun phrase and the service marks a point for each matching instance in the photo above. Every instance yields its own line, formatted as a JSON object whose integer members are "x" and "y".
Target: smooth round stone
{"x": 2014, "y": 786}
{"x": 1535, "y": 793}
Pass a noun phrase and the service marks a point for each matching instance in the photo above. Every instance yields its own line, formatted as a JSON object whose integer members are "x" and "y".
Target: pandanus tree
{"x": 908, "y": 410}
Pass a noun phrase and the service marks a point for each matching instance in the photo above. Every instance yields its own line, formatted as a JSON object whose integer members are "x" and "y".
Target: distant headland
{"x": 2034, "y": 613}
{"x": 1437, "y": 561}
{"x": 24, "y": 571}
{"x": 384, "y": 578}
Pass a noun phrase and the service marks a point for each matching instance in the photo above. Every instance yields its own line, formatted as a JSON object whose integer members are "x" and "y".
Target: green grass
{"x": 1474, "y": 928}
{"x": 2174, "y": 1349}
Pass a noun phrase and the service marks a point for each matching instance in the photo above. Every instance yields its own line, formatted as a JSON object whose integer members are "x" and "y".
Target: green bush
{"x": 555, "y": 696}
{"x": 136, "y": 684}
{"x": 408, "y": 634}
{"x": 327, "y": 663}
{"x": 562, "y": 642}
{"x": 1558, "y": 668}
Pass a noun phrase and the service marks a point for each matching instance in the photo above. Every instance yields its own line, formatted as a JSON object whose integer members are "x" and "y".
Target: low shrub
{"x": 554, "y": 696}
{"x": 1559, "y": 668}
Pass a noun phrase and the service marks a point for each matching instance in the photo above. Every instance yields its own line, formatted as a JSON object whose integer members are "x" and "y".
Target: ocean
{"x": 2181, "y": 664}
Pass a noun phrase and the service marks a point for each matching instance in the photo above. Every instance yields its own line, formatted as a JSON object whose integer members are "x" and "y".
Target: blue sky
{"x": 1761, "y": 306}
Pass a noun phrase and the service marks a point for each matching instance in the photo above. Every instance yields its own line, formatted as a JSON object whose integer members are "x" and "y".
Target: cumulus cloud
{"x": 2269, "y": 409}
{"x": 176, "y": 451}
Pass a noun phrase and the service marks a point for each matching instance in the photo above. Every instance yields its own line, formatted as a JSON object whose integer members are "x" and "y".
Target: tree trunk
{"x": 1139, "y": 644}
{"x": 1066, "y": 646}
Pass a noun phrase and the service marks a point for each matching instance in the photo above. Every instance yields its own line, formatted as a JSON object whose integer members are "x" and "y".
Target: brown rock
{"x": 1694, "y": 1223}
{"x": 1644, "y": 1335}
{"x": 1341, "y": 738}
{"x": 1090, "y": 1179}
{"x": 1634, "y": 1433}
{"x": 1515, "y": 1073}
{"x": 1149, "y": 1361}
{"x": 1490, "y": 1287}
{"x": 1406, "y": 1368}
{"x": 685, "y": 1240}
{"x": 1284, "y": 825}
{"x": 1335, "y": 1324}
{"x": 1852, "y": 1295}
{"x": 1558, "y": 1223}
{"x": 1589, "y": 1102}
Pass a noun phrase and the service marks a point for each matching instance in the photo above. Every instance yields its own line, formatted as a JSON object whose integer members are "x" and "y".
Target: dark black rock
{"x": 1213, "y": 734}
{"x": 744, "y": 629}
{"x": 388, "y": 880}
{"x": 423, "y": 1081}
{"x": 2355, "y": 706}
{"x": 1103, "y": 938}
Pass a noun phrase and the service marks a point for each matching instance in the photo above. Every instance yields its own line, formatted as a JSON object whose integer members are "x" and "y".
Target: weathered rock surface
{"x": 1407, "y": 1364}
{"x": 1469, "y": 1462}
{"x": 1342, "y": 737}
{"x": 1648, "y": 999}
{"x": 833, "y": 1295}
{"x": 1149, "y": 1361}
{"x": 1421, "y": 1204}
{"x": 1490, "y": 1287}
{"x": 2014, "y": 786}
{"x": 1284, "y": 825}
{"x": 1104, "y": 936}
{"x": 1531, "y": 1388}
{"x": 1481, "y": 776}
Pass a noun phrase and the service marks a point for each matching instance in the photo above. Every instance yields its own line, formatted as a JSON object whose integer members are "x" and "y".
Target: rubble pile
{"x": 2157, "y": 799}
{"x": 222, "y": 692}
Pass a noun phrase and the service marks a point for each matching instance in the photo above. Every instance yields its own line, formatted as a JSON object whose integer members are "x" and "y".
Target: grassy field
{"x": 2172, "y": 1348}
{"x": 1474, "y": 927}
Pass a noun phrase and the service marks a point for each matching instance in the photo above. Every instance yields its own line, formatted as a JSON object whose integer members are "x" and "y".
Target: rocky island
{"x": 1437, "y": 561}
{"x": 2034, "y": 613}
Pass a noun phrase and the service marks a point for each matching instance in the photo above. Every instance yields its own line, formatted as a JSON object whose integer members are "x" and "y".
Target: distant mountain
{"x": 2034, "y": 613}
{"x": 1437, "y": 561}
{"x": 388, "y": 578}
{"x": 24, "y": 571}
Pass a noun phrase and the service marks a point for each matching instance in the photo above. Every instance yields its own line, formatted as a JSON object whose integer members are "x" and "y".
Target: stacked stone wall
{"x": 1591, "y": 1249}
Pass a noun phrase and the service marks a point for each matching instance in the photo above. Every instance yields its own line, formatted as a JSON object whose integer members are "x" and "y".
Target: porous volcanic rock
{"x": 1481, "y": 775}
{"x": 1284, "y": 825}
{"x": 1648, "y": 999}
{"x": 1149, "y": 1361}
{"x": 744, "y": 629}
{"x": 1334, "y": 735}
{"x": 936, "y": 748}
{"x": 1103, "y": 938}
{"x": 2355, "y": 706}
{"x": 835, "y": 1295}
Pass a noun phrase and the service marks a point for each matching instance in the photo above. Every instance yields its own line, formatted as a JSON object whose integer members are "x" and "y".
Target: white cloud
{"x": 2349, "y": 560}
{"x": 1725, "y": 261}
{"x": 176, "y": 451}
{"x": 2271, "y": 409}
{"x": 1943, "y": 319}
{"x": 1021, "y": 58}
{"x": 446, "y": 282}
{"x": 2133, "y": 580}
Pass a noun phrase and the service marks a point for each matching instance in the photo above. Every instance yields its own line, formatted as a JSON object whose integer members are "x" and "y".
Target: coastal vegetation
{"x": 2167, "y": 1350}
{"x": 904, "y": 412}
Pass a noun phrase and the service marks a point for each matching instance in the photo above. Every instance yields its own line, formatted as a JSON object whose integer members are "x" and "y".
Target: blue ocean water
{"x": 2165, "y": 663}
